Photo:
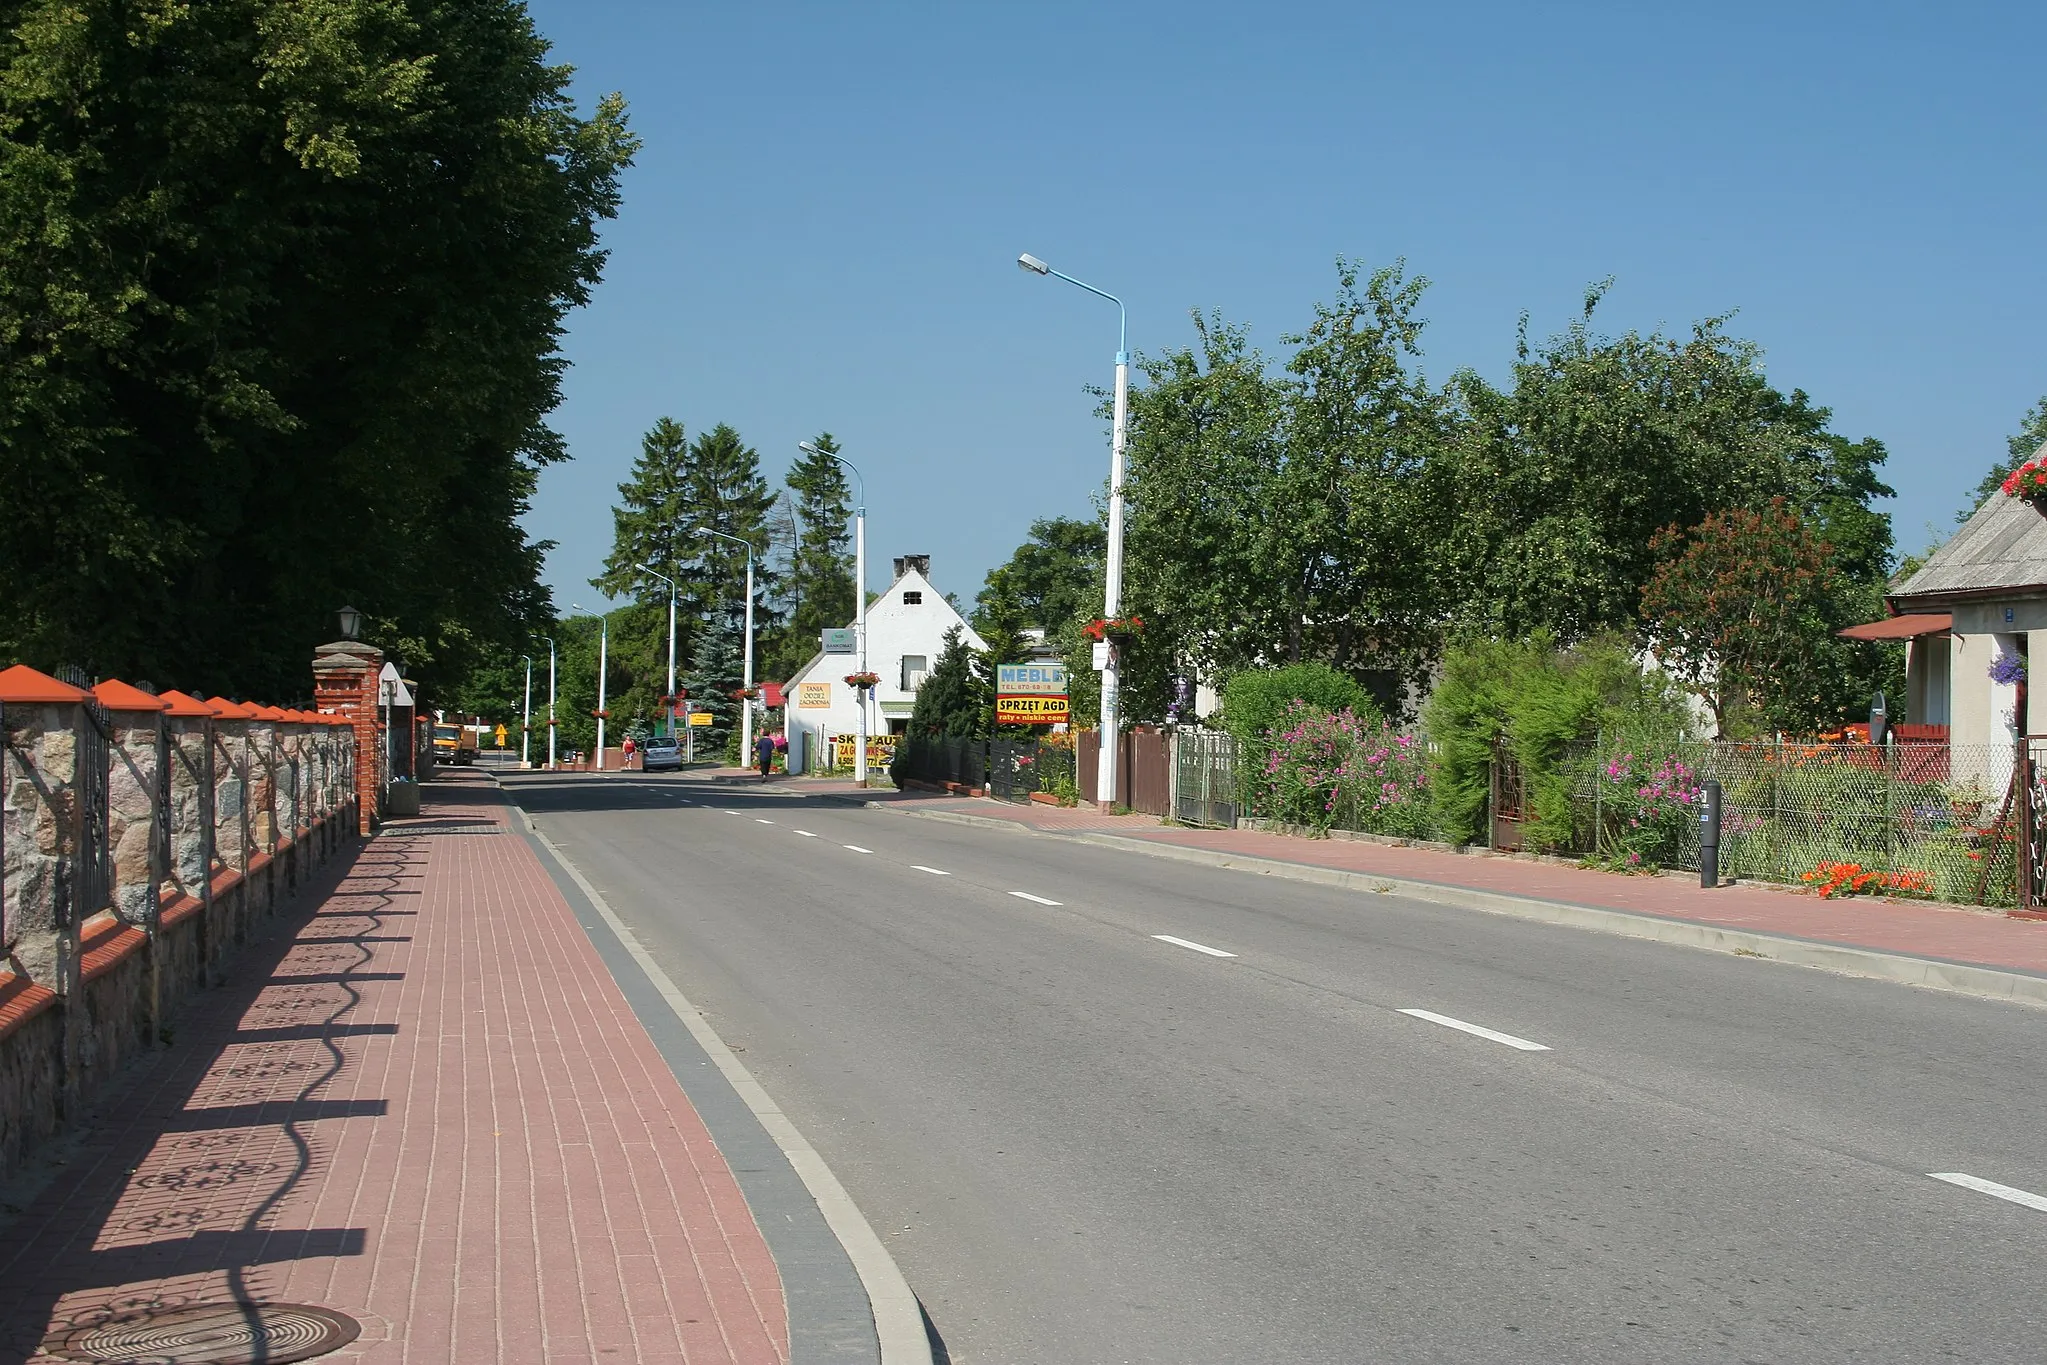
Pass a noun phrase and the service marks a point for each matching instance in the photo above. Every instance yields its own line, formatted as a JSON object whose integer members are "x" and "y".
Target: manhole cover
{"x": 210, "y": 1334}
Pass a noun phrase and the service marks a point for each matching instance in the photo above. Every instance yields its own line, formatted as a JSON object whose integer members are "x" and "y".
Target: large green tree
{"x": 648, "y": 528}
{"x": 1053, "y": 578}
{"x": 819, "y": 581}
{"x": 281, "y": 286}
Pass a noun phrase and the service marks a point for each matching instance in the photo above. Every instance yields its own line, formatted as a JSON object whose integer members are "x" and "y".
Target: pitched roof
{"x": 2003, "y": 547}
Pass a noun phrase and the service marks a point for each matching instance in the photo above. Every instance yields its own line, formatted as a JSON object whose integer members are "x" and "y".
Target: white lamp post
{"x": 745, "y": 703}
{"x": 526, "y": 718}
{"x": 603, "y": 663}
{"x": 550, "y": 700}
{"x": 1105, "y": 769}
{"x": 859, "y": 595}
{"x": 670, "y": 708}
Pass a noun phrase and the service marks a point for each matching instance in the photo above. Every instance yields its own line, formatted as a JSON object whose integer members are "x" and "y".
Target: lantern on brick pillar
{"x": 345, "y": 684}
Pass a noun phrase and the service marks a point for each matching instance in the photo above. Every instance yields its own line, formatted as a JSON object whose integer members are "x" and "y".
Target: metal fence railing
{"x": 1933, "y": 819}
{"x": 1930, "y": 819}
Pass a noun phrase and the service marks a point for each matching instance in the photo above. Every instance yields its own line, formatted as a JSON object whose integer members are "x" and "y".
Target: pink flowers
{"x": 1329, "y": 768}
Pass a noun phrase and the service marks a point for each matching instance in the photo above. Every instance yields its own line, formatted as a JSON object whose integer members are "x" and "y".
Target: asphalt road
{"x": 1088, "y": 1143}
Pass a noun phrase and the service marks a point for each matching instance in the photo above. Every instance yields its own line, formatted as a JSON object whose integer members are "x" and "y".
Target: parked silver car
{"x": 661, "y": 753}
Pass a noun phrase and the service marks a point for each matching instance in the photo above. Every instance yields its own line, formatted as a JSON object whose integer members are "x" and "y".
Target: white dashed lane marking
{"x": 1993, "y": 1189}
{"x": 1447, "y": 1022}
{"x": 806, "y": 834}
{"x": 1025, "y": 895}
{"x": 857, "y": 849}
{"x": 1190, "y": 943}
{"x": 758, "y": 821}
{"x": 932, "y": 870}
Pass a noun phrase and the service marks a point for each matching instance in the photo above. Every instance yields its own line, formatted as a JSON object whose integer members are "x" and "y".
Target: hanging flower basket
{"x": 2029, "y": 484}
{"x": 745, "y": 693}
{"x": 2008, "y": 669}
{"x": 863, "y": 680}
{"x": 552, "y": 723}
{"x": 1114, "y": 628}
{"x": 601, "y": 715}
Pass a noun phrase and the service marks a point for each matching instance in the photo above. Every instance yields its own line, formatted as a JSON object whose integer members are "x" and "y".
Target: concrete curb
{"x": 1940, "y": 974}
{"x": 898, "y": 1316}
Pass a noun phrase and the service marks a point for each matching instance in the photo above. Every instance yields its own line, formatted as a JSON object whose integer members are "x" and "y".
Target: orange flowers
{"x": 1852, "y": 879}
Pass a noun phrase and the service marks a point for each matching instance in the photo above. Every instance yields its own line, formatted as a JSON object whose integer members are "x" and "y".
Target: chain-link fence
{"x": 1925, "y": 819}
{"x": 1933, "y": 820}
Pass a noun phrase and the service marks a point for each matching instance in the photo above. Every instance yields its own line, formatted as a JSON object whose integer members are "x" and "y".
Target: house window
{"x": 913, "y": 599}
{"x": 914, "y": 668}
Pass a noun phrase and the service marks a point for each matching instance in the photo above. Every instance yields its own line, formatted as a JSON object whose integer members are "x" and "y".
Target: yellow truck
{"x": 454, "y": 742}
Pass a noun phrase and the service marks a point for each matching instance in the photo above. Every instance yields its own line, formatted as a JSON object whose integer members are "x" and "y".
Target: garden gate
{"x": 1508, "y": 799}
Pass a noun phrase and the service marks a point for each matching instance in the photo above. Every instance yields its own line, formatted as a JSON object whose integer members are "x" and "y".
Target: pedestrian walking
{"x": 628, "y": 751}
{"x": 764, "y": 754}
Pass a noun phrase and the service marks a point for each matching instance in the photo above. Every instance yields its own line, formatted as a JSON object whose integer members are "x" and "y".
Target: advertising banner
{"x": 1031, "y": 711}
{"x": 701, "y": 719}
{"x": 813, "y": 696}
{"x": 880, "y": 749}
{"x": 1030, "y": 680}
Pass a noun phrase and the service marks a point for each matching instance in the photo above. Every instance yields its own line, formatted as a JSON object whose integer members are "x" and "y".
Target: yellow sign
{"x": 1031, "y": 710}
{"x": 880, "y": 749}
{"x": 701, "y": 719}
{"x": 501, "y": 736}
{"x": 813, "y": 696}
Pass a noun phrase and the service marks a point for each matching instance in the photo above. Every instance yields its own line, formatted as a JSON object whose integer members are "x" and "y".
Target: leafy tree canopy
{"x": 2020, "y": 446}
{"x": 1053, "y": 578}
{"x": 281, "y": 286}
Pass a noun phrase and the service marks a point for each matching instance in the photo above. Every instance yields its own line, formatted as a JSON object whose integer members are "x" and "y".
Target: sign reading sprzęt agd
{"x": 1031, "y": 710}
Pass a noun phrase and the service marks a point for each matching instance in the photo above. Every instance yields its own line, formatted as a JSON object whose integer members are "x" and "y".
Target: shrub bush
{"x": 1255, "y": 700}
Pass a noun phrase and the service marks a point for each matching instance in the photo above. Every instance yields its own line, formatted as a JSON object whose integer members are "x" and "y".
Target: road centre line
{"x": 857, "y": 849}
{"x": 1190, "y": 943}
{"x": 806, "y": 834}
{"x": 1025, "y": 895}
{"x": 759, "y": 821}
{"x": 1993, "y": 1189}
{"x": 936, "y": 872}
{"x": 1447, "y": 1022}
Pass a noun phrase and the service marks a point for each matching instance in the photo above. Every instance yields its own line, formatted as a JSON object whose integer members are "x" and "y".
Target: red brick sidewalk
{"x": 1917, "y": 929}
{"x": 426, "y": 1106}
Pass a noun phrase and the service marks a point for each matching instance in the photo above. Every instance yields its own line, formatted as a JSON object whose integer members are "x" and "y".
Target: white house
{"x": 906, "y": 629}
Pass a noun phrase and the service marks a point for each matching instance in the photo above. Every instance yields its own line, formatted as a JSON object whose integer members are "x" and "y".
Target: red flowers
{"x": 1849, "y": 879}
{"x": 2028, "y": 481}
{"x": 1114, "y": 627}
{"x": 863, "y": 679}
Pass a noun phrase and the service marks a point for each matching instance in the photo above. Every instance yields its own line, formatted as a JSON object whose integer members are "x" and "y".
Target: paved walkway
{"x": 425, "y": 1105}
{"x": 1918, "y": 929}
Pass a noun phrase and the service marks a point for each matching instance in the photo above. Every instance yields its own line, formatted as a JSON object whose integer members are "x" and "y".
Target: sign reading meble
{"x": 1030, "y": 694}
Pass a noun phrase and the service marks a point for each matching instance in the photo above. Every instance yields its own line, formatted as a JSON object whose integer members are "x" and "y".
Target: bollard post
{"x": 1709, "y": 836}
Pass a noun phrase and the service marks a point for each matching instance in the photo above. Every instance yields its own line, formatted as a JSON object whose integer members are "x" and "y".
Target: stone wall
{"x": 208, "y": 815}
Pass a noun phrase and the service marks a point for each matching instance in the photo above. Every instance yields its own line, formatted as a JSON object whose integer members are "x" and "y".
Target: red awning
{"x": 771, "y": 694}
{"x": 1901, "y": 627}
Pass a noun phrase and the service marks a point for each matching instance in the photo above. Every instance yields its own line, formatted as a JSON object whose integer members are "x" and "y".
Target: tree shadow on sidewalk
{"x": 171, "y": 1189}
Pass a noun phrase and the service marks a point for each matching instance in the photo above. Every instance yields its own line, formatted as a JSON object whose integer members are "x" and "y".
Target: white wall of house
{"x": 906, "y": 629}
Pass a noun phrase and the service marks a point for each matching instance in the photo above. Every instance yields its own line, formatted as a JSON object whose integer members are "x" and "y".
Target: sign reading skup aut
{"x": 1030, "y": 694}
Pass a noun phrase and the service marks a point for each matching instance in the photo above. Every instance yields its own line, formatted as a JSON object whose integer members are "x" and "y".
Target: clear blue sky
{"x": 821, "y": 230}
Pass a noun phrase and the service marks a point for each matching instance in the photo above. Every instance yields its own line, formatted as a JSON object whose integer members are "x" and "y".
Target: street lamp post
{"x": 526, "y": 718}
{"x": 550, "y": 699}
{"x": 1105, "y": 769}
{"x": 670, "y": 706}
{"x": 745, "y": 703}
{"x": 603, "y": 664}
{"x": 859, "y": 595}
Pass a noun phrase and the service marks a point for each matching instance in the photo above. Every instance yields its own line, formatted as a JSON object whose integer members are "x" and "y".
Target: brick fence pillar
{"x": 345, "y": 684}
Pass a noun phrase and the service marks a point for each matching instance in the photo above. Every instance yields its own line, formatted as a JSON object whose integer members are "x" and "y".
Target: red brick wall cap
{"x": 116, "y": 695}
{"x": 179, "y": 704}
{"x": 265, "y": 713}
{"x": 23, "y": 684}
{"x": 229, "y": 710}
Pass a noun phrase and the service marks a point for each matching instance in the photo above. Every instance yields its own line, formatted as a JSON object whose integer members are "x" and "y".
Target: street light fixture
{"x": 526, "y": 719}
{"x": 603, "y": 665}
{"x": 351, "y": 622}
{"x": 550, "y": 699}
{"x": 745, "y": 703}
{"x": 669, "y": 705}
{"x": 1105, "y": 768}
{"x": 859, "y": 595}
